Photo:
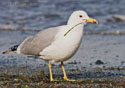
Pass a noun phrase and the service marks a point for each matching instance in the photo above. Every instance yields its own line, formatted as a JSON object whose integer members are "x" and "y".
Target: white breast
{"x": 63, "y": 47}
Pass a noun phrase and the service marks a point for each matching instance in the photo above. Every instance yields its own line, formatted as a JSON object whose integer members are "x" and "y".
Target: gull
{"x": 56, "y": 44}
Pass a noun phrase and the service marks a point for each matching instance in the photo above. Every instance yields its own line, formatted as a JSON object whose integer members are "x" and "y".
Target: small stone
{"x": 90, "y": 64}
{"x": 99, "y": 62}
{"x": 117, "y": 55}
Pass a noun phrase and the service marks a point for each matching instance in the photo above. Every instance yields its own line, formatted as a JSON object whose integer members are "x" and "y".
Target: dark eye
{"x": 80, "y": 16}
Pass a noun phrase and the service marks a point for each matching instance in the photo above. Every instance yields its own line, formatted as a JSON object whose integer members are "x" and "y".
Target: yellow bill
{"x": 91, "y": 20}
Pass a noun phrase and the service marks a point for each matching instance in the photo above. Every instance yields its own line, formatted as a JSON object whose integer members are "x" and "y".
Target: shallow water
{"x": 40, "y": 14}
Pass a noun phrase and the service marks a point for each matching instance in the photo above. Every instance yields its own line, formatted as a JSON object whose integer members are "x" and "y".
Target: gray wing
{"x": 33, "y": 45}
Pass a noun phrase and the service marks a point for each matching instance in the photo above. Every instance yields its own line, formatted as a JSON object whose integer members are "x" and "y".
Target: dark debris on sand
{"x": 42, "y": 81}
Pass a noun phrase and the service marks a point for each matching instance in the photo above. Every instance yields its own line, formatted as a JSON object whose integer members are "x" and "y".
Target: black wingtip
{"x": 12, "y": 49}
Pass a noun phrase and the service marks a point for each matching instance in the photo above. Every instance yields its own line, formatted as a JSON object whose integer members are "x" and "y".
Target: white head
{"x": 80, "y": 17}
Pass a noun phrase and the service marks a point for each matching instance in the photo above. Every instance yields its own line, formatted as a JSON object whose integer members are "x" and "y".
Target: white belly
{"x": 63, "y": 47}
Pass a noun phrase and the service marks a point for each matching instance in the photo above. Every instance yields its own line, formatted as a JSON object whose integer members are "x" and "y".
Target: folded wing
{"x": 33, "y": 45}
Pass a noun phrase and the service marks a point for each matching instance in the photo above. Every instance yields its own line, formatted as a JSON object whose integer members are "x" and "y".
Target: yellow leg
{"x": 65, "y": 76}
{"x": 50, "y": 71}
